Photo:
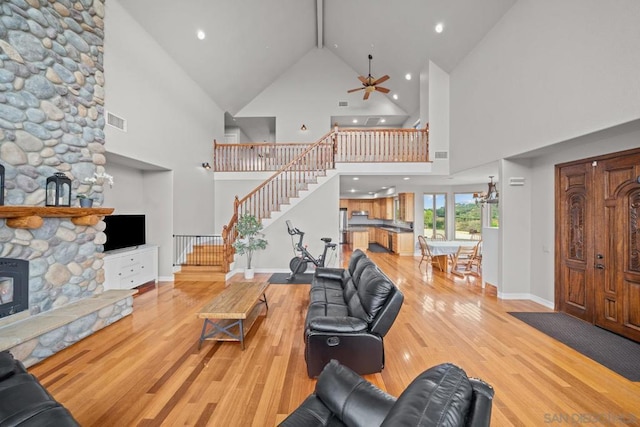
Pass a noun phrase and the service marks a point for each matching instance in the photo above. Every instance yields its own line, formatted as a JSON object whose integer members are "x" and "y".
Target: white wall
{"x": 316, "y": 215}
{"x": 438, "y": 117}
{"x": 547, "y": 72}
{"x": 128, "y": 187}
{"x": 308, "y": 93}
{"x": 170, "y": 123}
{"x": 514, "y": 270}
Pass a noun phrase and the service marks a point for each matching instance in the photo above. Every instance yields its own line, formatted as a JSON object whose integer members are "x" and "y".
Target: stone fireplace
{"x": 14, "y": 286}
{"x": 52, "y": 120}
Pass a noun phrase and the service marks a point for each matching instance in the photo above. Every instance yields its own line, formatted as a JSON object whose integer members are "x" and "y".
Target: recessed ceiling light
{"x": 382, "y": 120}
{"x": 395, "y": 96}
{"x": 201, "y": 35}
{"x": 355, "y": 178}
{"x": 384, "y": 188}
{"x": 335, "y": 45}
{"x": 355, "y": 120}
{"x": 407, "y": 76}
{"x": 406, "y": 178}
{"x": 353, "y": 190}
{"x": 439, "y": 27}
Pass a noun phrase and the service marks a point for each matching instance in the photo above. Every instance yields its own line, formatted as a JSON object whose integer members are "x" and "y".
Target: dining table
{"x": 441, "y": 251}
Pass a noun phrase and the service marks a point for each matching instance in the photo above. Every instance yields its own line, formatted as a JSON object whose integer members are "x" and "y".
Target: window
{"x": 435, "y": 214}
{"x": 468, "y": 217}
{"x": 493, "y": 215}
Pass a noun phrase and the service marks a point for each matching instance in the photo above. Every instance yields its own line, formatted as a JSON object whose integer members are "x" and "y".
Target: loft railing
{"x": 282, "y": 186}
{"x": 350, "y": 146}
{"x": 382, "y": 145}
{"x": 343, "y": 145}
{"x": 254, "y": 157}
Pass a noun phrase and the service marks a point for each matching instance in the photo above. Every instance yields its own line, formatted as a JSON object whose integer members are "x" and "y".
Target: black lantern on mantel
{"x": 58, "y": 190}
{"x": 1, "y": 185}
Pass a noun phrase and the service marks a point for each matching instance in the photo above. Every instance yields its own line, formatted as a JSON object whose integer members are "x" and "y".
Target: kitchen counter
{"x": 398, "y": 240}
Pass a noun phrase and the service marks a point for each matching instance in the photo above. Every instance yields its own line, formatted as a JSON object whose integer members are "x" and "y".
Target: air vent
{"x": 343, "y": 103}
{"x": 372, "y": 121}
{"x": 441, "y": 154}
{"x": 516, "y": 181}
{"x": 116, "y": 121}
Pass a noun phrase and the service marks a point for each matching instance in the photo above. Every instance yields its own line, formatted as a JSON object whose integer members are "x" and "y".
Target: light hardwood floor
{"x": 146, "y": 370}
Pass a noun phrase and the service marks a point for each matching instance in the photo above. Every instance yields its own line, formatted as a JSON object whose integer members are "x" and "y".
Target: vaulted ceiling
{"x": 249, "y": 43}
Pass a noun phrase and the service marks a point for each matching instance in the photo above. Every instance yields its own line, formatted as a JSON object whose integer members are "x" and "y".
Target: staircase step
{"x": 193, "y": 273}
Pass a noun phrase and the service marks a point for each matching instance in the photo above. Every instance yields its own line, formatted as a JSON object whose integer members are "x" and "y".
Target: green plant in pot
{"x": 85, "y": 201}
{"x": 249, "y": 240}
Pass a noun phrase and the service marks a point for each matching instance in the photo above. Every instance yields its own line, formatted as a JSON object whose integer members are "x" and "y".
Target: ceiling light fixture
{"x": 439, "y": 27}
{"x": 382, "y": 120}
{"x": 201, "y": 35}
{"x": 355, "y": 120}
{"x": 407, "y": 76}
{"x": 303, "y": 127}
{"x": 207, "y": 166}
{"x": 406, "y": 178}
{"x": 490, "y": 196}
{"x": 395, "y": 96}
{"x": 355, "y": 178}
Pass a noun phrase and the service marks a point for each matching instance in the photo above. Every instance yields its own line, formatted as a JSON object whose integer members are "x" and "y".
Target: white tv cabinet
{"x": 131, "y": 267}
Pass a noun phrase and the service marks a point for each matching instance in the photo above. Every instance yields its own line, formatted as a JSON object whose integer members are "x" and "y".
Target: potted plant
{"x": 85, "y": 201}
{"x": 249, "y": 240}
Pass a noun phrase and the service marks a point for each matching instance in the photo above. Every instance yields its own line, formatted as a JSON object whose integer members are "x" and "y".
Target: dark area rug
{"x": 617, "y": 353}
{"x": 374, "y": 247}
{"x": 281, "y": 279}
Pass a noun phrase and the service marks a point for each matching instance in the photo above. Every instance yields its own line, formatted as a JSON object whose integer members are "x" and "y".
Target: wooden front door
{"x": 598, "y": 241}
{"x": 617, "y": 245}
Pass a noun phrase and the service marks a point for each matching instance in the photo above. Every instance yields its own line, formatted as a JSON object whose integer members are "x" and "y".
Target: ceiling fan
{"x": 369, "y": 84}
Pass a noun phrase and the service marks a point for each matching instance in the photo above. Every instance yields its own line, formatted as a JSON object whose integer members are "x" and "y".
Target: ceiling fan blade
{"x": 381, "y": 79}
{"x": 382, "y": 89}
{"x": 366, "y": 95}
{"x": 363, "y": 80}
{"x": 354, "y": 90}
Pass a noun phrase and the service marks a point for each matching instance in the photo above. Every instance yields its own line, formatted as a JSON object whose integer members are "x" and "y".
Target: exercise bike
{"x": 298, "y": 263}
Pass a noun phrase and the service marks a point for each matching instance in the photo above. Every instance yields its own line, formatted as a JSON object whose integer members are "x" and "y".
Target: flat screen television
{"x": 124, "y": 231}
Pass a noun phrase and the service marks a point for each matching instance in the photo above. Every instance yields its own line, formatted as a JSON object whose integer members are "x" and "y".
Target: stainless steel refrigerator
{"x": 344, "y": 225}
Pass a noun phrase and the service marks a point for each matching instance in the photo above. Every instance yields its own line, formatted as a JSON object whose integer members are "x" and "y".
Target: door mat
{"x": 617, "y": 353}
{"x": 281, "y": 279}
{"x": 374, "y": 247}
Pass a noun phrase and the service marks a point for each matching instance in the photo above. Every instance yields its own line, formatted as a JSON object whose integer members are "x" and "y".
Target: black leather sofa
{"x": 440, "y": 396}
{"x": 350, "y": 311}
{"x": 24, "y": 402}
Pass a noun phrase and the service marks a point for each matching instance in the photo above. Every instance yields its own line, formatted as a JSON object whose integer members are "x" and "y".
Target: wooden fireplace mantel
{"x": 30, "y": 217}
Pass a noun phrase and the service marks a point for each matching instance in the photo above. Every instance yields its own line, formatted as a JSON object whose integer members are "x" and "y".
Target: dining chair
{"x": 426, "y": 253}
{"x": 464, "y": 260}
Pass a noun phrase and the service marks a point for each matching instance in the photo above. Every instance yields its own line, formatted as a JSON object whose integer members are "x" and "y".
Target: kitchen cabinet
{"x": 357, "y": 205}
{"x": 386, "y": 207}
{"x": 372, "y": 235}
{"x": 406, "y": 205}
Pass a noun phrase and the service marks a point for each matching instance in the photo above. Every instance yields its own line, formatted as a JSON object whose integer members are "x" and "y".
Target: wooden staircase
{"x": 202, "y": 263}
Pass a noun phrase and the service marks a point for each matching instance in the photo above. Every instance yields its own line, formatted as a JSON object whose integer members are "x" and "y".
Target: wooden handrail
{"x": 352, "y": 145}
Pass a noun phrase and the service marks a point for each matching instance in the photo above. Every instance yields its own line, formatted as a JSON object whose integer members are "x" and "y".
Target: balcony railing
{"x": 349, "y": 146}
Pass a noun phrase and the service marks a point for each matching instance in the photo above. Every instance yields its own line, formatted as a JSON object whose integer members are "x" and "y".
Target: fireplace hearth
{"x": 14, "y": 286}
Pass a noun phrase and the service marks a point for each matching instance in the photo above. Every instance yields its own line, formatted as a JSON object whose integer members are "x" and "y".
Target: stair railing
{"x": 343, "y": 145}
{"x": 281, "y": 187}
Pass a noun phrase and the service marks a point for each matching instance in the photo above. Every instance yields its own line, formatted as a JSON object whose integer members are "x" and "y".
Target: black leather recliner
{"x": 350, "y": 311}
{"x": 25, "y": 402}
{"x": 440, "y": 396}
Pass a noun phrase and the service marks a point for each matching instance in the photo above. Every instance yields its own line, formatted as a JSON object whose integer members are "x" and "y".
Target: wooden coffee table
{"x": 230, "y": 315}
